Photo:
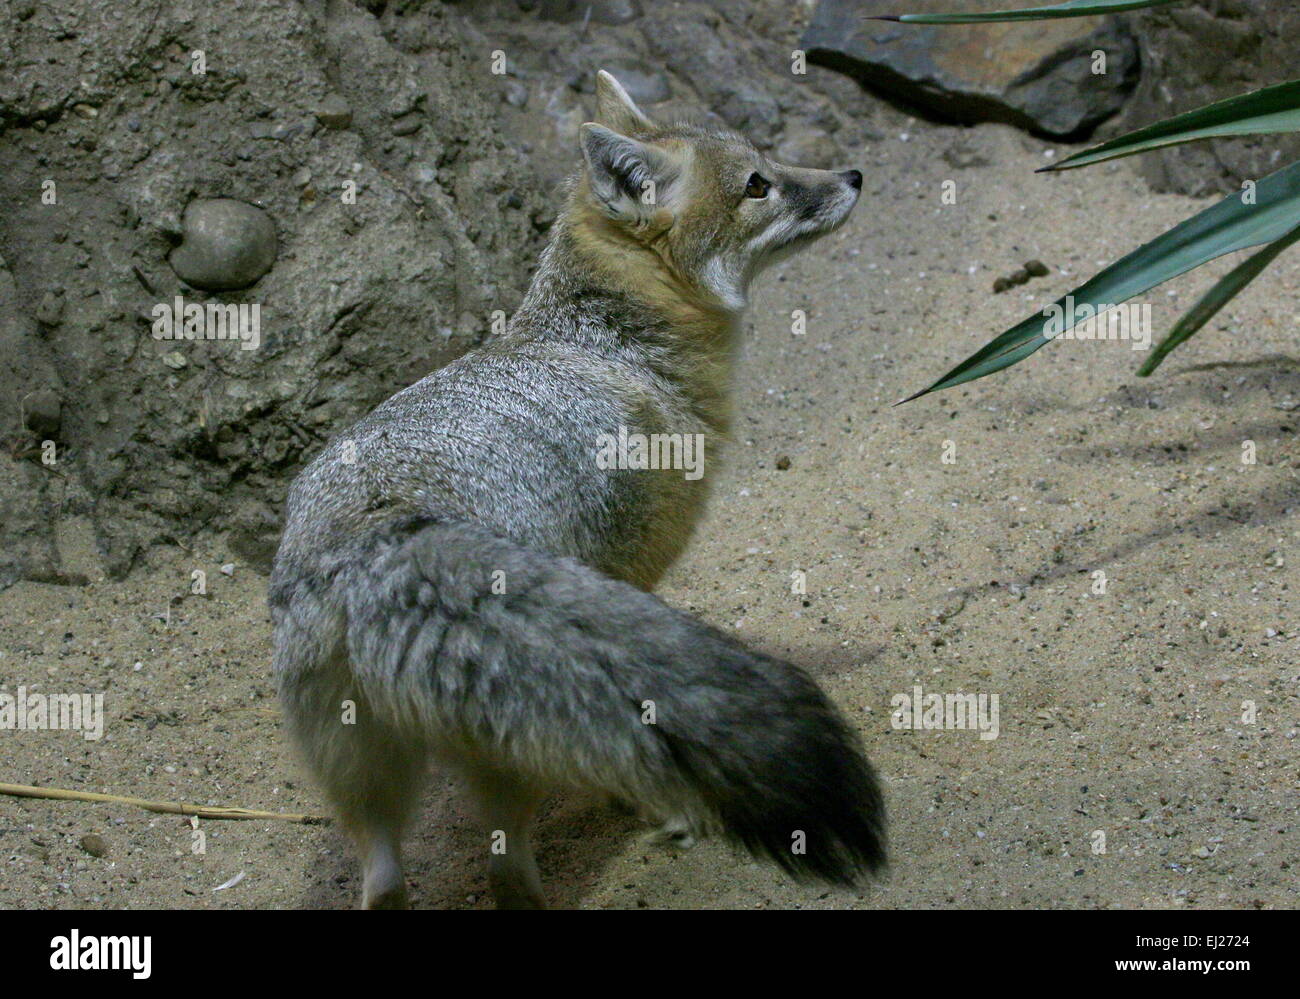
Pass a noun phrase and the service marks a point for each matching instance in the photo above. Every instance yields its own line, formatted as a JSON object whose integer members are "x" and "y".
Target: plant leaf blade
{"x": 1225, "y": 290}
{"x": 1072, "y": 8}
{"x": 1224, "y": 227}
{"x": 1270, "y": 109}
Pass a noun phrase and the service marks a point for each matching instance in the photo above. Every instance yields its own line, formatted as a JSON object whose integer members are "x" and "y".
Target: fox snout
{"x": 852, "y": 180}
{"x": 816, "y": 202}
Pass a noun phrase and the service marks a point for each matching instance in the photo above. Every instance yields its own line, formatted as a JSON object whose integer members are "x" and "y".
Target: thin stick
{"x": 167, "y": 807}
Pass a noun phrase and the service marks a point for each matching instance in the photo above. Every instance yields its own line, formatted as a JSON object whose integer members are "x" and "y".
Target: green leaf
{"x": 1272, "y": 109}
{"x": 1223, "y": 292}
{"x": 1074, "y": 8}
{"x": 1225, "y": 227}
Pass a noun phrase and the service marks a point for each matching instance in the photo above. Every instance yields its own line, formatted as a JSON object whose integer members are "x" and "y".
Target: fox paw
{"x": 674, "y": 834}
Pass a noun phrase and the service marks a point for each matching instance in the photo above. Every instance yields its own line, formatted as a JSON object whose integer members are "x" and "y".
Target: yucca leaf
{"x": 1229, "y": 225}
{"x": 1224, "y": 291}
{"x": 1074, "y": 8}
{"x": 1272, "y": 109}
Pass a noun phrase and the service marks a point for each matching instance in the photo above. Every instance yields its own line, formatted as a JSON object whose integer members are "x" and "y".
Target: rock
{"x": 1200, "y": 52}
{"x": 407, "y": 125}
{"x": 602, "y": 11}
{"x": 95, "y": 845}
{"x": 515, "y": 94}
{"x": 334, "y": 112}
{"x": 226, "y": 244}
{"x": 1037, "y": 76}
{"x": 730, "y": 82}
{"x": 50, "y": 311}
{"x": 44, "y": 413}
{"x": 963, "y": 156}
{"x": 808, "y": 147}
{"x": 403, "y": 102}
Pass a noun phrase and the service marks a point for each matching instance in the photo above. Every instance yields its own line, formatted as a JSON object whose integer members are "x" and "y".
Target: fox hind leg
{"x": 507, "y": 805}
{"x": 370, "y": 772}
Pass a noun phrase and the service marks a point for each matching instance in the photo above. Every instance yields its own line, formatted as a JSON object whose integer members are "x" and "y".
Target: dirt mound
{"x": 406, "y": 158}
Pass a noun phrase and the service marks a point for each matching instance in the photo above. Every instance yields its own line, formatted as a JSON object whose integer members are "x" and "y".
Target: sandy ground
{"x": 1121, "y": 714}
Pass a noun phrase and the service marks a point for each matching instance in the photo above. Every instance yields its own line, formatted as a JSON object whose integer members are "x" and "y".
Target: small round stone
{"x": 225, "y": 244}
{"x": 95, "y": 845}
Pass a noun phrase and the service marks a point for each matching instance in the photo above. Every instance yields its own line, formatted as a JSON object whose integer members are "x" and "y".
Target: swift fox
{"x": 461, "y": 580}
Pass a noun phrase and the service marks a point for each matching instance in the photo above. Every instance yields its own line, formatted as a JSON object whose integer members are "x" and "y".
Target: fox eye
{"x": 757, "y": 187}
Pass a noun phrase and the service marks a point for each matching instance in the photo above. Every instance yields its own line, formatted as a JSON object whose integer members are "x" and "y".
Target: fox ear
{"x": 632, "y": 180}
{"x": 615, "y": 109}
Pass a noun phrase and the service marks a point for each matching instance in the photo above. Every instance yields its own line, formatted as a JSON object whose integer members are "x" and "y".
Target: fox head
{"x": 712, "y": 207}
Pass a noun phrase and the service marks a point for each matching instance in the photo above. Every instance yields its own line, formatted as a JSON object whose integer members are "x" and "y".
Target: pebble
{"x": 611, "y": 11}
{"x": 515, "y": 94}
{"x": 403, "y": 104}
{"x": 408, "y": 125}
{"x": 334, "y": 112}
{"x": 226, "y": 244}
{"x": 50, "y": 311}
{"x": 95, "y": 845}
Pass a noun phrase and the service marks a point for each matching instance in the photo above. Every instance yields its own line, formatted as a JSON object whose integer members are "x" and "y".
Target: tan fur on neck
{"x": 637, "y": 261}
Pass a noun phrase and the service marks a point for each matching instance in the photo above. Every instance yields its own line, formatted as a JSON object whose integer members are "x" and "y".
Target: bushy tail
{"x": 571, "y": 677}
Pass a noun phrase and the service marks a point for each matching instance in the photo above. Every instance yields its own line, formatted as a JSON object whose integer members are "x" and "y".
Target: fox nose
{"x": 854, "y": 177}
